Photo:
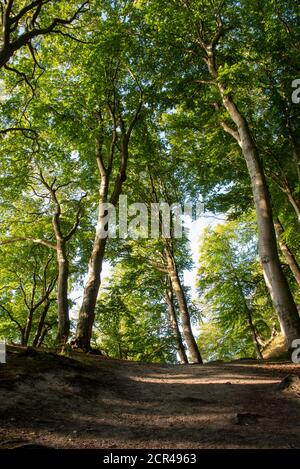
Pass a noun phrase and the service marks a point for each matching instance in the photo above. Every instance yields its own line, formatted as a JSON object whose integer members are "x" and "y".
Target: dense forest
{"x": 118, "y": 118}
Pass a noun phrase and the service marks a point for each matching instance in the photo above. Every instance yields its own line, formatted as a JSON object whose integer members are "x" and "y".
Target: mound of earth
{"x": 89, "y": 401}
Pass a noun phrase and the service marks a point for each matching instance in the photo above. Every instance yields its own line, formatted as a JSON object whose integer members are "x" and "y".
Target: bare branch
{"x": 43, "y": 242}
{"x": 12, "y": 318}
{"x": 27, "y": 8}
{"x": 19, "y": 129}
{"x": 99, "y": 157}
{"x": 205, "y": 82}
{"x": 135, "y": 118}
{"x": 22, "y": 75}
{"x": 230, "y": 131}
{"x": 11, "y": 24}
{"x": 32, "y": 52}
{"x": 77, "y": 221}
{"x": 81, "y": 41}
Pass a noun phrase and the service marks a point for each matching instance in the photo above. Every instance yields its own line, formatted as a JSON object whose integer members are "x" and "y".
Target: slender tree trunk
{"x": 43, "y": 335}
{"x": 276, "y": 282}
{"x": 183, "y": 308}
{"x": 28, "y": 327}
{"x": 287, "y": 191}
{"x": 23, "y": 340}
{"x": 253, "y": 333}
{"x": 289, "y": 256}
{"x": 41, "y": 324}
{"x": 62, "y": 259}
{"x": 174, "y": 325}
{"x": 91, "y": 289}
{"x": 93, "y": 282}
{"x": 279, "y": 289}
{"x": 294, "y": 203}
{"x": 62, "y": 293}
{"x": 92, "y": 286}
{"x": 255, "y": 338}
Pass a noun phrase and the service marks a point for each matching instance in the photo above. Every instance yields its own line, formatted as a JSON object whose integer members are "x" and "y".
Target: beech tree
{"x": 158, "y": 102}
{"x": 204, "y": 33}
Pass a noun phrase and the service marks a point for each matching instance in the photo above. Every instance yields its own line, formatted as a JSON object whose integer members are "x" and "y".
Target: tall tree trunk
{"x": 279, "y": 289}
{"x": 62, "y": 293}
{"x": 41, "y": 324}
{"x": 28, "y": 327}
{"x": 62, "y": 259}
{"x": 253, "y": 332}
{"x": 289, "y": 256}
{"x": 276, "y": 282}
{"x": 183, "y": 308}
{"x": 91, "y": 289}
{"x": 174, "y": 325}
{"x": 43, "y": 335}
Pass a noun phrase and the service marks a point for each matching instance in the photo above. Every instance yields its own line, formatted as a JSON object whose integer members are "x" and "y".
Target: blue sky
{"x": 195, "y": 231}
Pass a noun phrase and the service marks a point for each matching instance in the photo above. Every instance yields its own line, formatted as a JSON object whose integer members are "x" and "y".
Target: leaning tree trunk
{"x": 289, "y": 256}
{"x": 279, "y": 289}
{"x": 92, "y": 286}
{"x": 253, "y": 333}
{"x": 28, "y": 327}
{"x": 62, "y": 293}
{"x": 183, "y": 309}
{"x": 41, "y": 324}
{"x": 294, "y": 203}
{"x": 91, "y": 289}
{"x": 276, "y": 282}
{"x": 174, "y": 325}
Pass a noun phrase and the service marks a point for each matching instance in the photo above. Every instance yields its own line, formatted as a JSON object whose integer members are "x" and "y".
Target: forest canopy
{"x": 118, "y": 120}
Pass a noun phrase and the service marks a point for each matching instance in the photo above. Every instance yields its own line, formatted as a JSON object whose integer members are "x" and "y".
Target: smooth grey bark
{"x": 183, "y": 308}
{"x": 63, "y": 267}
{"x": 92, "y": 286}
{"x": 62, "y": 258}
{"x": 174, "y": 325}
{"x": 87, "y": 310}
{"x": 276, "y": 282}
{"x": 62, "y": 293}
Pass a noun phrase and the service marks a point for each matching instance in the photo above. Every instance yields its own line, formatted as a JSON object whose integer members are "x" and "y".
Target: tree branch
{"x": 77, "y": 221}
{"x": 43, "y": 242}
{"x": 18, "y": 129}
{"x": 12, "y": 318}
{"x": 230, "y": 131}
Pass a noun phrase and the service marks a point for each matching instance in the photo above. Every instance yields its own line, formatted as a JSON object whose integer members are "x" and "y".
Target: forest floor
{"x": 48, "y": 400}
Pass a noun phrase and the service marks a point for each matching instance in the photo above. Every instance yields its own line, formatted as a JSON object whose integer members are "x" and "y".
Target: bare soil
{"x": 48, "y": 400}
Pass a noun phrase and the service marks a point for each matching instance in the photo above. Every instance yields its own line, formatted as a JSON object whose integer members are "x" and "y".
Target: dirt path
{"x": 67, "y": 403}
